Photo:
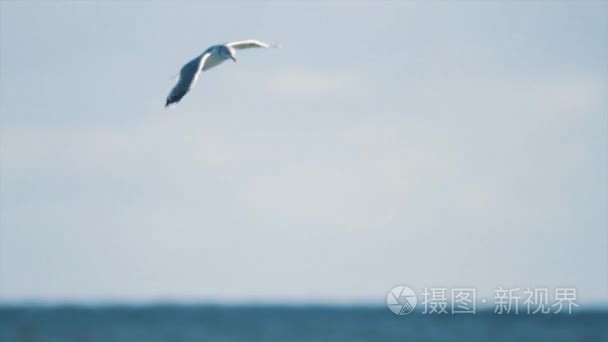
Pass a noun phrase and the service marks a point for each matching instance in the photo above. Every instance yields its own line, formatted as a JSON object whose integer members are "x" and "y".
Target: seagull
{"x": 213, "y": 56}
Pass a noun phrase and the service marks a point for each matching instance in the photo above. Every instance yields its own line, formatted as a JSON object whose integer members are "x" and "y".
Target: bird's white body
{"x": 214, "y": 59}
{"x": 213, "y": 56}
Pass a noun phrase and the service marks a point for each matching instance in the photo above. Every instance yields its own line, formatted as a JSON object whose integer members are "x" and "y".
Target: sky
{"x": 444, "y": 144}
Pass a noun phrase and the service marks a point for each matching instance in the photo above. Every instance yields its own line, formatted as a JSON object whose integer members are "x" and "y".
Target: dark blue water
{"x": 285, "y": 323}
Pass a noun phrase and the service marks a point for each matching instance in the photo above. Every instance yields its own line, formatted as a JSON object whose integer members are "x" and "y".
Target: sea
{"x": 176, "y": 322}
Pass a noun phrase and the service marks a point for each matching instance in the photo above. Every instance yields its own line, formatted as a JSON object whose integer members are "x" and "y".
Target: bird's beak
{"x": 234, "y": 59}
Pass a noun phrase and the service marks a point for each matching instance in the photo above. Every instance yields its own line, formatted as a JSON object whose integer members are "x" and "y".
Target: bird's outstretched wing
{"x": 188, "y": 76}
{"x": 247, "y": 44}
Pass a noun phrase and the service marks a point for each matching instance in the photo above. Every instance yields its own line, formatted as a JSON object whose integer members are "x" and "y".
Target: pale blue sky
{"x": 453, "y": 144}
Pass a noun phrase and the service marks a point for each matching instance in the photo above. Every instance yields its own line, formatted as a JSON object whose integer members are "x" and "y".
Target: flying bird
{"x": 213, "y": 56}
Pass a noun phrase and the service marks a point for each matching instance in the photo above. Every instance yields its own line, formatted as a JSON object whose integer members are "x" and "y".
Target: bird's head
{"x": 228, "y": 52}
